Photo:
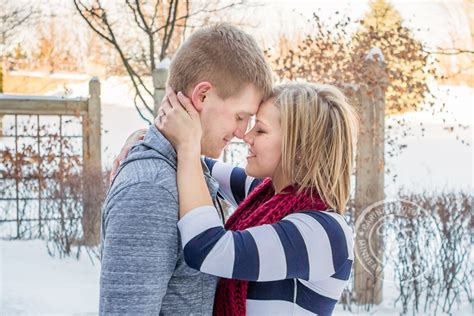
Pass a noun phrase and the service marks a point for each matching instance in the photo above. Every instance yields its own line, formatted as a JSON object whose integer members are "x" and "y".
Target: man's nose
{"x": 239, "y": 133}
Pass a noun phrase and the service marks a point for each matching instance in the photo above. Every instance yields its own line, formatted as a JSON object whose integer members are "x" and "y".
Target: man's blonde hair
{"x": 223, "y": 55}
{"x": 319, "y": 139}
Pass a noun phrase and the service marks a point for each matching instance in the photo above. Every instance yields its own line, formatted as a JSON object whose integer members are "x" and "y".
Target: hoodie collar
{"x": 155, "y": 140}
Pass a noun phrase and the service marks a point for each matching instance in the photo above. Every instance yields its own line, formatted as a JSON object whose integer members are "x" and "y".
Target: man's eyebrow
{"x": 246, "y": 113}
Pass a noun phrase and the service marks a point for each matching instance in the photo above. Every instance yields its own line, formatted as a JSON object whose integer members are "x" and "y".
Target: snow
{"x": 436, "y": 159}
{"x": 164, "y": 64}
{"x": 375, "y": 51}
{"x": 34, "y": 283}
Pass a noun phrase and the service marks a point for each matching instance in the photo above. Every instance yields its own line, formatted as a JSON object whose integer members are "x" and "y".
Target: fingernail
{"x": 180, "y": 94}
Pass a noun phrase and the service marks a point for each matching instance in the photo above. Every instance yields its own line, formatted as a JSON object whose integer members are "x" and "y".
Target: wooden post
{"x": 94, "y": 127}
{"x": 160, "y": 75}
{"x": 2, "y": 72}
{"x": 92, "y": 165}
{"x": 370, "y": 180}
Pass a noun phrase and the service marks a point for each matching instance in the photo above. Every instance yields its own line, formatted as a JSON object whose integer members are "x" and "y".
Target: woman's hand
{"x": 133, "y": 139}
{"x": 179, "y": 122}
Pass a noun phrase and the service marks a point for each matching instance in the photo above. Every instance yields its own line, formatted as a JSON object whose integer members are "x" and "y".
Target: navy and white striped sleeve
{"x": 307, "y": 245}
{"x": 234, "y": 184}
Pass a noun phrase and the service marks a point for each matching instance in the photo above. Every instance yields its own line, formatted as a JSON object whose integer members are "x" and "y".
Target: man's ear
{"x": 199, "y": 94}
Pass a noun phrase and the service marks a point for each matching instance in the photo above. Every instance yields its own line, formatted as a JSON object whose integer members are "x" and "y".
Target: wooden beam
{"x": 34, "y": 105}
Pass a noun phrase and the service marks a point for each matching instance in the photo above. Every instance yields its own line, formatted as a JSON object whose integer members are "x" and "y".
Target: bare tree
{"x": 455, "y": 55}
{"x": 12, "y": 17}
{"x": 159, "y": 27}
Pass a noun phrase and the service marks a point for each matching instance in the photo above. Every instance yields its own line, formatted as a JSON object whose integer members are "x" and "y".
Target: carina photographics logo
{"x": 396, "y": 240}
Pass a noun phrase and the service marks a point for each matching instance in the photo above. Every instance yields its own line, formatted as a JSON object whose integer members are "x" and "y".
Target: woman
{"x": 286, "y": 249}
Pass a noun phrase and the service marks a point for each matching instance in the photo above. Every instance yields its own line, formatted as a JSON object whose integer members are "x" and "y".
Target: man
{"x": 222, "y": 70}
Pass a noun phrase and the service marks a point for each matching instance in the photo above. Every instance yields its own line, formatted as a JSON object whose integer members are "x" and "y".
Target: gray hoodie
{"x": 143, "y": 271}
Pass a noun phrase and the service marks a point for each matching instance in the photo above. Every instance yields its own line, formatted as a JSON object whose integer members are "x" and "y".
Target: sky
{"x": 436, "y": 20}
{"x": 433, "y": 22}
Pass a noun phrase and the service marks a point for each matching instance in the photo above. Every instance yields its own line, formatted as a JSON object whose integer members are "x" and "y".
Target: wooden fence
{"x": 89, "y": 109}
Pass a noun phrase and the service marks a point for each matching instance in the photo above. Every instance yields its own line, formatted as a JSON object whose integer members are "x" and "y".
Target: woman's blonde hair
{"x": 319, "y": 139}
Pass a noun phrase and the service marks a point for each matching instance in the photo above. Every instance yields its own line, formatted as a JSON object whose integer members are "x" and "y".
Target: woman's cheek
{"x": 252, "y": 168}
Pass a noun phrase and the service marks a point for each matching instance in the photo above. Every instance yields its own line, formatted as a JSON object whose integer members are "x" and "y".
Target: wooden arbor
{"x": 90, "y": 111}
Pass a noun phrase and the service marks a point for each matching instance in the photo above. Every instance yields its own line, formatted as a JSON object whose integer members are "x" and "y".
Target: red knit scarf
{"x": 262, "y": 206}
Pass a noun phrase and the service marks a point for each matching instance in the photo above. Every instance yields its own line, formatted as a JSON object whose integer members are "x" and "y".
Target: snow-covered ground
{"x": 437, "y": 160}
{"x": 31, "y": 282}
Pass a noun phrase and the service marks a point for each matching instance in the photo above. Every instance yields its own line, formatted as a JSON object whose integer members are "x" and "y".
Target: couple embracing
{"x": 286, "y": 249}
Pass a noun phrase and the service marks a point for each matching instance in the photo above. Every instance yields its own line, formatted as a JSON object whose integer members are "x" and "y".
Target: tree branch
{"x": 449, "y": 51}
{"x": 135, "y": 16}
{"x": 167, "y": 39}
{"x": 112, "y": 40}
{"x": 160, "y": 24}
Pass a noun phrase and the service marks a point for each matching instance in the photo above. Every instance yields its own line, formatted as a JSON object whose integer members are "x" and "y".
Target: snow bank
{"x": 34, "y": 283}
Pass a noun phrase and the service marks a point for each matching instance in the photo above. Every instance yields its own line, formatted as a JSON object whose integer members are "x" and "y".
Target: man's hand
{"x": 134, "y": 138}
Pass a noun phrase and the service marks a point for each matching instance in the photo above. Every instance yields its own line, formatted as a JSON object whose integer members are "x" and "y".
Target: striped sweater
{"x": 297, "y": 266}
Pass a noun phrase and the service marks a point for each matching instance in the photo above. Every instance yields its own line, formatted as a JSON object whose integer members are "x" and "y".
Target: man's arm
{"x": 140, "y": 249}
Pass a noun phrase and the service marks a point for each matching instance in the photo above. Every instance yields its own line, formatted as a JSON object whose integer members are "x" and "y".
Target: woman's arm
{"x": 192, "y": 188}
{"x": 180, "y": 123}
{"x": 234, "y": 183}
{"x": 307, "y": 245}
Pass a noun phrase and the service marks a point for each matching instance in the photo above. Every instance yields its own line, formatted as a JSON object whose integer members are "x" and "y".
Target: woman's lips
{"x": 251, "y": 155}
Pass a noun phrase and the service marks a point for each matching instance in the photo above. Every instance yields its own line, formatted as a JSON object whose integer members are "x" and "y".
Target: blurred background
{"x": 78, "y": 76}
